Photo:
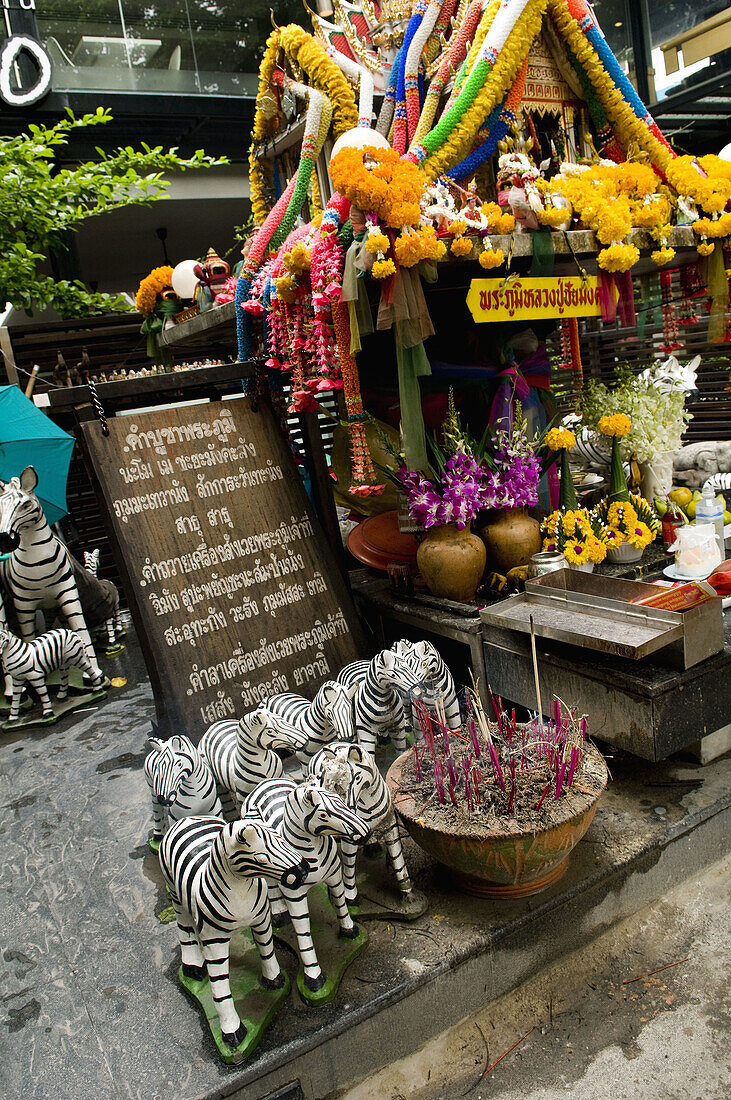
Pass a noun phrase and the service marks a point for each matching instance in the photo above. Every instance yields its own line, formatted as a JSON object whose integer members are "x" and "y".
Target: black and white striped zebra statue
{"x": 31, "y": 662}
{"x": 115, "y": 625}
{"x": 351, "y": 772}
{"x": 329, "y": 717}
{"x": 242, "y": 754}
{"x": 311, "y": 820}
{"x": 38, "y": 573}
{"x": 181, "y": 784}
{"x": 214, "y": 872}
{"x": 436, "y": 681}
{"x": 382, "y": 687}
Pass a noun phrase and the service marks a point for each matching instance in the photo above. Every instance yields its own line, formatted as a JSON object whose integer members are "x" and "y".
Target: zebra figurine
{"x": 32, "y": 661}
{"x": 181, "y": 784}
{"x": 115, "y": 626}
{"x": 311, "y": 820}
{"x": 213, "y": 871}
{"x": 378, "y": 703}
{"x": 437, "y": 681}
{"x": 329, "y": 717}
{"x": 352, "y": 773}
{"x": 242, "y": 754}
{"x": 38, "y": 573}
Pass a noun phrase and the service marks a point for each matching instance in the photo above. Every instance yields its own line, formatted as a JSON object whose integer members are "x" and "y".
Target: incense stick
{"x": 535, "y": 670}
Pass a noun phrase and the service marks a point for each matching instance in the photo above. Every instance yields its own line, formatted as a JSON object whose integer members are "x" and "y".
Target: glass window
{"x": 691, "y": 42}
{"x": 177, "y": 46}
{"x": 612, "y": 18}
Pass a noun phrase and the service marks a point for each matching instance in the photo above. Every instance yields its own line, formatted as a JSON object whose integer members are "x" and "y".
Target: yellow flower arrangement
{"x": 553, "y": 216}
{"x": 297, "y": 259}
{"x": 461, "y": 246}
{"x": 490, "y": 257}
{"x": 153, "y": 284}
{"x": 560, "y": 439}
{"x": 391, "y": 187}
{"x": 376, "y": 241}
{"x": 383, "y": 268}
{"x": 617, "y": 425}
{"x": 705, "y": 248}
{"x": 413, "y": 245}
{"x": 662, "y": 256}
{"x": 618, "y": 257}
{"x": 286, "y": 288}
{"x": 624, "y": 526}
{"x": 498, "y": 221}
{"x": 713, "y": 227}
{"x": 578, "y": 534}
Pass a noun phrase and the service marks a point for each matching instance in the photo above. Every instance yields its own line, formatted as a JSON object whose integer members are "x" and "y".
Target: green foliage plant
{"x": 41, "y": 203}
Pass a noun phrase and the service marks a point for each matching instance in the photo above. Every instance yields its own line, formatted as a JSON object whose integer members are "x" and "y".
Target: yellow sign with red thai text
{"x": 531, "y": 299}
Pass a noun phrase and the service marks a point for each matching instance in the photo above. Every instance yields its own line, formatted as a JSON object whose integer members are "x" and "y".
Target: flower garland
{"x": 498, "y": 125}
{"x": 451, "y": 58}
{"x": 624, "y": 109}
{"x": 159, "y": 279}
{"x": 503, "y": 51}
{"x": 364, "y": 474}
{"x": 391, "y": 187}
{"x": 306, "y": 52}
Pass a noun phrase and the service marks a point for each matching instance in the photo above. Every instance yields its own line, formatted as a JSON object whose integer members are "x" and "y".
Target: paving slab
{"x": 90, "y": 1004}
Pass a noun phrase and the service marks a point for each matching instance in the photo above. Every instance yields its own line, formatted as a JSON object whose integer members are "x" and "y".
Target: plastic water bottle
{"x": 709, "y": 510}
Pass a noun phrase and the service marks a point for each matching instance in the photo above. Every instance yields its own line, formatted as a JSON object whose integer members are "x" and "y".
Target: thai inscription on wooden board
{"x": 234, "y": 590}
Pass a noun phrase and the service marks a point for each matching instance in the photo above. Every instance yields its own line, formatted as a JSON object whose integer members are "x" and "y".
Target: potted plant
{"x": 511, "y": 536}
{"x": 631, "y": 525}
{"x": 577, "y": 533}
{"x": 654, "y": 401}
{"x": 502, "y": 803}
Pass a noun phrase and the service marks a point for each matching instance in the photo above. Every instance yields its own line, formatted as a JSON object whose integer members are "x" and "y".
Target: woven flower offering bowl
{"x": 502, "y": 857}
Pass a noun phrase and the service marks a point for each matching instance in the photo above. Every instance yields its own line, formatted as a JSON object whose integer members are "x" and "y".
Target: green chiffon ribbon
{"x": 617, "y": 481}
{"x": 154, "y": 324}
{"x": 412, "y": 365}
{"x": 544, "y": 255}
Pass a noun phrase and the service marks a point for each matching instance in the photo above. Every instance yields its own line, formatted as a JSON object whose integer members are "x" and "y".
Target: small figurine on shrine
{"x": 216, "y": 285}
{"x": 156, "y": 300}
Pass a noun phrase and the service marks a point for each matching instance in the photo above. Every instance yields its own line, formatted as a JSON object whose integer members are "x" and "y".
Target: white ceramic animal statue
{"x": 311, "y": 820}
{"x": 352, "y": 773}
{"x": 181, "y": 783}
{"x": 382, "y": 686}
{"x": 329, "y": 717}
{"x": 436, "y": 681}
{"x": 38, "y": 573}
{"x": 31, "y": 662}
{"x": 242, "y": 754}
{"x": 214, "y": 873}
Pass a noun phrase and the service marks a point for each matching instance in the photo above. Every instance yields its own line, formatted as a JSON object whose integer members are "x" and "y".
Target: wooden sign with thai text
{"x": 234, "y": 591}
{"x": 531, "y": 299}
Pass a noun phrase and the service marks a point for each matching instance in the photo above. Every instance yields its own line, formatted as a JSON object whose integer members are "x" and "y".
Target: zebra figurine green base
{"x": 31, "y": 662}
{"x": 214, "y": 873}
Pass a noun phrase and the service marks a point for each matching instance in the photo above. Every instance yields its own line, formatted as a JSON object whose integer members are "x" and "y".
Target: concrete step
{"x": 91, "y": 1005}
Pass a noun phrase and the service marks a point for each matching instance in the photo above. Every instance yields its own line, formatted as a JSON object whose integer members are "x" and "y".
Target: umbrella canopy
{"x": 28, "y": 438}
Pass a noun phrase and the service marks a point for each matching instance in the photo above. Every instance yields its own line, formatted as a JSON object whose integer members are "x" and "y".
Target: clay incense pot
{"x": 511, "y": 538}
{"x": 503, "y": 861}
{"x": 451, "y": 562}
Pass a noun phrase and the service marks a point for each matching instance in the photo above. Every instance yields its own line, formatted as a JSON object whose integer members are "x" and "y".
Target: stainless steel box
{"x": 597, "y": 612}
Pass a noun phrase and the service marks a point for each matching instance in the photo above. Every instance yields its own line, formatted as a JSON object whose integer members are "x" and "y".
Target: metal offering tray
{"x": 596, "y": 612}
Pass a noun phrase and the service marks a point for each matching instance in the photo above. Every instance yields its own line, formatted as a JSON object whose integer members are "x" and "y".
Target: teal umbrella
{"x": 28, "y": 438}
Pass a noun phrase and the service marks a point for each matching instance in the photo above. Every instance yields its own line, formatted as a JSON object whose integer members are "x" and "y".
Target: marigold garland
{"x": 391, "y": 188}
{"x": 159, "y": 279}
